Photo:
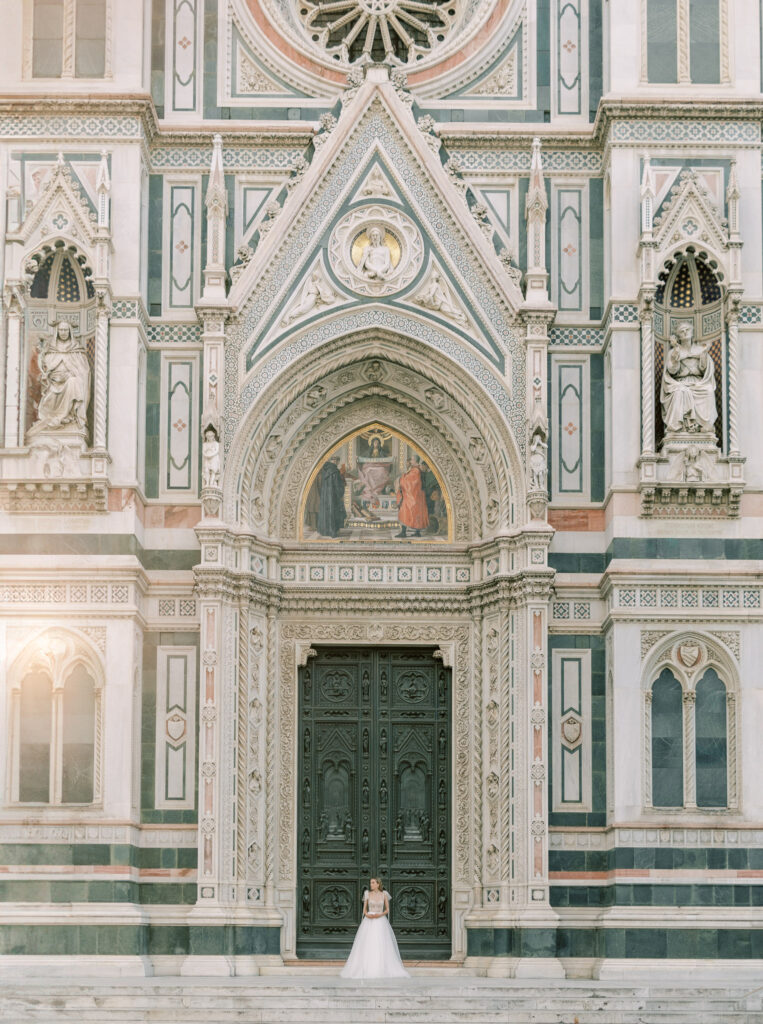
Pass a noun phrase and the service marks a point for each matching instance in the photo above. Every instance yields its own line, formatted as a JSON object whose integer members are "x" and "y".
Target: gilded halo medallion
{"x": 376, "y": 250}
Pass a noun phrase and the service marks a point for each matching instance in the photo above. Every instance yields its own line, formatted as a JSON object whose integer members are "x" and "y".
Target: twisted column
{"x": 732, "y": 320}
{"x": 13, "y": 371}
{"x": 690, "y": 774}
{"x": 101, "y": 371}
{"x": 731, "y": 759}
{"x": 647, "y": 381}
{"x": 648, "y": 748}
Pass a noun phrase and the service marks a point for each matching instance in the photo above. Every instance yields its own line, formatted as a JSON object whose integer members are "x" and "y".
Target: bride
{"x": 374, "y": 952}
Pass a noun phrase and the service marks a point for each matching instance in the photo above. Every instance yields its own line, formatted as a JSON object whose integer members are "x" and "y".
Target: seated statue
{"x": 687, "y": 394}
{"x": 64, "y": 382}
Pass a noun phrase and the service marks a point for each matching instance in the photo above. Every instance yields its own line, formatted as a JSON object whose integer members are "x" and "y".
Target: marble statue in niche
{"x": 64, "y": 383}
{"x": 376, "y": 486}
{"x": 687, "y": 394}
{"x": 538, "y": 467}
{"x": 210, "y": 458}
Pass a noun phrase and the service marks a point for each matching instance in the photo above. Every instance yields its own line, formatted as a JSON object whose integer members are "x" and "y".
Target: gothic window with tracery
{"x": 55, "y": 723}
{"x": 684, "y": 41}
{"x": 69, "y": 38}
{"x": 691, "y": 732}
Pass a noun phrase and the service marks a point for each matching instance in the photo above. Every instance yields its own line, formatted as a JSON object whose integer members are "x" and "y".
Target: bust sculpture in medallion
{"x": 376, "y": 259}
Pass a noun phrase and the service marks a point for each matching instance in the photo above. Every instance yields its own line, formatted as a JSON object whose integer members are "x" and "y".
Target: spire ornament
{"x": 216, "y": 202}
{"x": 536, "y": 209}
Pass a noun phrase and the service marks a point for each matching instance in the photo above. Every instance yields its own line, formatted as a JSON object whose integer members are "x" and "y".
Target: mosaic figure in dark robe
{"x": 331, "y": 511}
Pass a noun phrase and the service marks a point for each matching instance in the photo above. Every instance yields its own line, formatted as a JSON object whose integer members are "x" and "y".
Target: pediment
{"x": 63, "y": 207}
{"x": 691, "y": 214}
{"x": 376, "y": 184}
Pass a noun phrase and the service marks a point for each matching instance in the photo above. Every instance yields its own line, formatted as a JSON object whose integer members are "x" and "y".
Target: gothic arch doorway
{"x": 374, "y": 797}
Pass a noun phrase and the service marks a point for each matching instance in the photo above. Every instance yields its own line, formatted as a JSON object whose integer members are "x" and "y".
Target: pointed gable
{"x": 376, "y": 168}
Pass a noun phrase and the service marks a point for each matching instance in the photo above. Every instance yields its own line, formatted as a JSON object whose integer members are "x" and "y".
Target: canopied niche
{"x": 61, "y": 292}
{"x": 690, "y": 294}
{"x": 376, "y": 485}
{"x": 688, "y": 352}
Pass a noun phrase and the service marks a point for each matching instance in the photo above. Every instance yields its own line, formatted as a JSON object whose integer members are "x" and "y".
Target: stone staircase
{"x": 292, "y": 999}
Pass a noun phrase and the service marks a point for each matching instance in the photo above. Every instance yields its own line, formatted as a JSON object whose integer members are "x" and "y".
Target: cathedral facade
{"x": 381, "y": 484}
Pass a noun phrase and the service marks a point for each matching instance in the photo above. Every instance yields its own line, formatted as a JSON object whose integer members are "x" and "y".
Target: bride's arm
{"x": 385, "y": 912}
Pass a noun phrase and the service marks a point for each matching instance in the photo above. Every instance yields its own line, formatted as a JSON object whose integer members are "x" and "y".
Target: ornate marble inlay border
{"x": 455, "y": 641}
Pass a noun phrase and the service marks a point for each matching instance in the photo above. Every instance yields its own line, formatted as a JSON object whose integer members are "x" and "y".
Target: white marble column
{"x": 732, "y": 320}
{"x": 647, "y": 380}
{"x": 14, "y": 320}
{"x": 690, "y": 774}
{"x": 101, "y": 370}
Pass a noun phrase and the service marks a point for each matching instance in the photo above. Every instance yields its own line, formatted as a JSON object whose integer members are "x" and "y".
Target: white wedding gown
{"x": 374, "y": 952}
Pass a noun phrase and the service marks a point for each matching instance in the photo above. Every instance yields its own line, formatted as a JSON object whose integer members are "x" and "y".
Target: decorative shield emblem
{"x": 571, "y": 729}
{"x": 175, "y": 727}
{"x": 689, "y": 654}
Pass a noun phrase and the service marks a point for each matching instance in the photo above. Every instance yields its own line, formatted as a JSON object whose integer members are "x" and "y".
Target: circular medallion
{"x": 376, "y": 250}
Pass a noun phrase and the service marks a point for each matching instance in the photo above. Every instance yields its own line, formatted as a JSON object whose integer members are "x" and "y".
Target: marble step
{"x": 420, "y": 1001}
{"x": 304, "y": 1014}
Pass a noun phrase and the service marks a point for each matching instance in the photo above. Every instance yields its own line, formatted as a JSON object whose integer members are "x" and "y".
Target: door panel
{"x": 374, "y": 769}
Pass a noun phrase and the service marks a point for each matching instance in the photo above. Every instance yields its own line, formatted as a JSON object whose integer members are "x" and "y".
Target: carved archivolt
{"x": 291, "y": 481}
{"x": 304, "y": 410}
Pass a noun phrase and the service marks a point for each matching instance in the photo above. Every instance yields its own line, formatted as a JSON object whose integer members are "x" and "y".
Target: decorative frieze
{"x": 666, "y": 838}
{"x": 145, "y": 836}
{"x": 413, "y": 575}
{"x": 659, "y": 598}
{"x": 71, "y": 595}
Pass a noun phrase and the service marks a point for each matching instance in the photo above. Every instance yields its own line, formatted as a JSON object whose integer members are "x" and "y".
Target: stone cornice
{"x": 508, "y": 136}
{"x": 156, "y": 131}
{"x": 518, "y": 135}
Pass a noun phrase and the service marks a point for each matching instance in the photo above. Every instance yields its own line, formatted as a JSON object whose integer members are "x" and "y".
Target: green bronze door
{"x": 374, "y": 786}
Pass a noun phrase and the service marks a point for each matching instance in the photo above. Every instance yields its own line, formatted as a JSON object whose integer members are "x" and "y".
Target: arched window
{"x": 78, "y": 739}
{"x": 35, "y": 724}
{"x": 690, "y": 727}
{"x": 55, "y": 716}
{"x": 69, "y": 47}
{"x": 711, "y": 744}
{"x": 683, "y": 41}
{"x": 667, "y": 741}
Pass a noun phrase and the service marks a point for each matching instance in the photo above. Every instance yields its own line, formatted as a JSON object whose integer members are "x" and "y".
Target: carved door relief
{"x": 374, "y": 771}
